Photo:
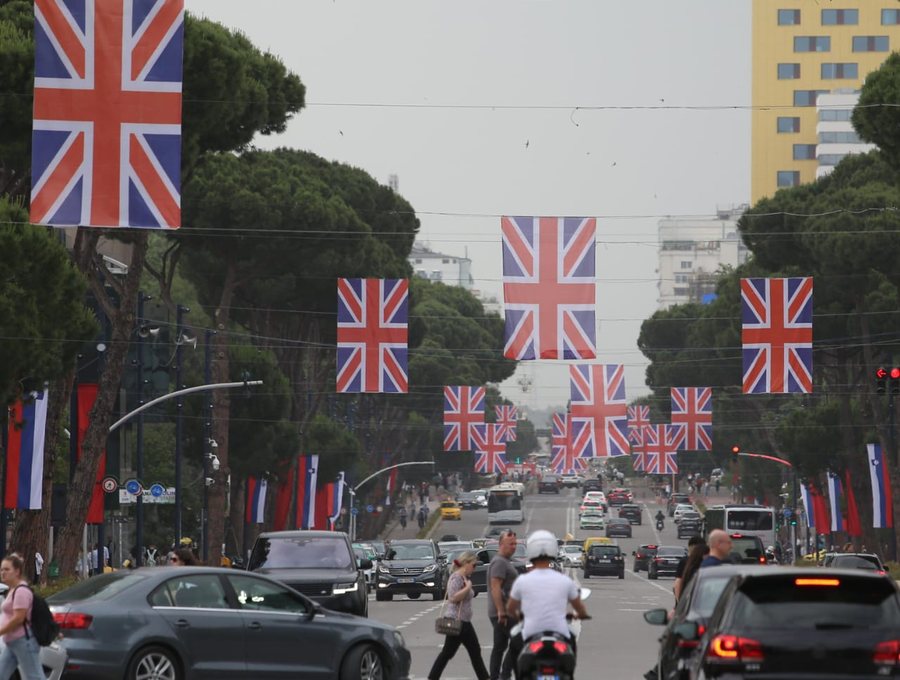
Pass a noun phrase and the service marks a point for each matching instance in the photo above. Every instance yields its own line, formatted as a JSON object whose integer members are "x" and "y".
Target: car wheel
{"x": 363, "y": 663}
{"x": 383, "y": 597}
{"x": 636, "y": 567}
{"x": 585, "y": 575}
{"x": 622, "y": 574}
{"x": 153, "y": 662}
{"x": 652, "y": 575}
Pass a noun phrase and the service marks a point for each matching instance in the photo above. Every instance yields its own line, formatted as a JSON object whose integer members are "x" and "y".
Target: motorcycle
{"x": 660, "y": 524}
{"x": 549, "y": 656}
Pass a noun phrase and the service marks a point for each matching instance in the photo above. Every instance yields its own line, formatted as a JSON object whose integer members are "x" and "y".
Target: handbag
{"x": 447, "y": 625}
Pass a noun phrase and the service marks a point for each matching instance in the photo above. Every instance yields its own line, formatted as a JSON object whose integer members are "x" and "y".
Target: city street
{"x": 615, "y": 643}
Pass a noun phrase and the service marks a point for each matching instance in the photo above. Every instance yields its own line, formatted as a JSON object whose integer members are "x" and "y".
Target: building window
{"x": 840, "y": 17}
{"x": 804, "y": 152}
{"x": 840, "y": 71}
{"x": 680, "y": 291}
{"x": 807, "y": 97}
{"x": 677, "y": 245}
{"x": 839, "y": 137}
{"x": 830, "y": 158}
{"x": 788, "y": 178}
{"x": 681, "y": 278}
{"x": 446, "y": 260}
{"x": 890, "y": 17}
{"x": 687, "y": 264}
{"x": 788, "y": 124}
{"x": 419, "y": 261}
{"x": 812, "y": 43}
{"x": 871, "y": 43}
{"x": 831, "y": 115}
{"x": 788, "y": 71}
{"x": 788, "y": 17}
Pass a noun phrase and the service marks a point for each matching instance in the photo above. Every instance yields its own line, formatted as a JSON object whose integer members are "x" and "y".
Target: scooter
{"x": 549, "y": 656}
{"x": 660, "y": 524}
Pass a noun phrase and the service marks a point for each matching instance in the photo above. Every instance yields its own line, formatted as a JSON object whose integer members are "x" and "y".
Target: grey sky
{"x": 473, "y": 164}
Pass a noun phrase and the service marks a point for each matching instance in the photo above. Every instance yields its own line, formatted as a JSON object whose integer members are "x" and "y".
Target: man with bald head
{"x": 719, "y": 549}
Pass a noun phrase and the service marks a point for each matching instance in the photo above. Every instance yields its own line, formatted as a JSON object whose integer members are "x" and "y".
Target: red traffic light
{"x": 895, "y": 373}
{"x": 735, "y": 449}
{"x": 881, "y": 373}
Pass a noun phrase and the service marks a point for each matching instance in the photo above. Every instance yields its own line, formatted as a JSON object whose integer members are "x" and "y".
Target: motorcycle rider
{"x": 543, "y": 595}
{"x": 660, "y": 518}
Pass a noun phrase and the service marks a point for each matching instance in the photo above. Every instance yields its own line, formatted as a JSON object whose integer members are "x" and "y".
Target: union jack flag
{"x": 106, "y": 141}
{"x": 463, "y": 409}
{"x": 692, "y": 418}
{"x": 563, "y": 460}
{"x": 660, "y": 454}
{"x": 777, "y": 336}
{"x": 598, "y": 422}
{"x": 372, "y": 335}
{"x": 637, "y": 449}
{"x": 490, "y": 449}
{"x": 638, "y": 417}
{"x": 549, "y": 287}
{"x": 507, "y": 417}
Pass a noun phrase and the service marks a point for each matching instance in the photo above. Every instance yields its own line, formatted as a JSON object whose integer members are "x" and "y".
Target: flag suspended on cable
{"x": 24, "y": 475}
{"x": 507, "y": 419}
{"x": 692, "y": 418}
{"x": 463, "y": 409}
{"x": 256, "y": 500}
{"x": 490, "y": 449}
{"x": 372, "y": 330}
{"x": 882, "y": 500}
{"x": 660, "y": 454}
{"x": 307, "y": 478}
{"x": 106, "y": 140}
{"x": 638, "y": 417}
{"x": 549, "y": 288}
{"x": 563, "y": 460}
{"x": 808, "y": 507}
{"x": 638, "y": 459}
{"x": 598, "y": 420}
{"x": 777, "y": 334}
{"x": 834, "y": 502}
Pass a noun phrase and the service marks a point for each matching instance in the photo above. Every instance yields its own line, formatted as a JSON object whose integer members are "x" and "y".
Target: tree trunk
{"x": 94, "y": 445}
{"x": 32, "y": 530}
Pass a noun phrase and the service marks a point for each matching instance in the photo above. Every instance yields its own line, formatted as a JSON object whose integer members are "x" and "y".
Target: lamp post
{"x": 180, "y": 311}
{"x": 139, "y": 444}
{"x": 207, "y": 439}
{"x": 352, "y": 490}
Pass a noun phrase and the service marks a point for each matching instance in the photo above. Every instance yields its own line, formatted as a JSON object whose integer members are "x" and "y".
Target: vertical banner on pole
{"x": 87, "y": 395}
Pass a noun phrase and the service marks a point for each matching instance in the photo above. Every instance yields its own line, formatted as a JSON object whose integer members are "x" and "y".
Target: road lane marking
{"x": 659, "y": 586}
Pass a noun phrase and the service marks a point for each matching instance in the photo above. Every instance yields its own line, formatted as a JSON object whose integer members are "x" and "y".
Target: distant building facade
{"x": 691, "y": 251}
{"x": 836, "y": 139}
{"x": 449, "y": 269}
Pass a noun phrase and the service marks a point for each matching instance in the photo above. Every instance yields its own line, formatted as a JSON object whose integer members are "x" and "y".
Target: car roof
{"x": 302, "y": 533}
{"x": 411, "y": 541}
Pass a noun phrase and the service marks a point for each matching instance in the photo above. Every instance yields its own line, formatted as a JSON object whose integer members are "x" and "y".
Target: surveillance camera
{"x": 215, "y": 463}
{"x": 209, "y": 481}
{"x": 146, "y": 331}
{"x": 213, "y": 443}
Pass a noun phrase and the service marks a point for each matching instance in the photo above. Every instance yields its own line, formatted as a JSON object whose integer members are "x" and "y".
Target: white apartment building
{"x": 449, "y": 269}
{"x": 691, "y": 250}
{"x": 835, "y": 136}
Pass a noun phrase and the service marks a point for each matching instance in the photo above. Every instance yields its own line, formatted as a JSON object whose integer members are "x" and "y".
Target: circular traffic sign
{"x": 354, "y": 511}
{"x": 370, "y": 508}
{"x": 157, "y": 490}
{"x": 134, "y": 487}
{"x": 110, "y": 484}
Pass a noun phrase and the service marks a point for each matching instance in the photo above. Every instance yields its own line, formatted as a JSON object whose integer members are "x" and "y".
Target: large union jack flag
{"x": 507, "y": 418}
{"x": 563, "y": 459}
{"x": 777, "y": 336}
{"x": 660, "y": 454}
{"x": 549, "y": 287}
{"x": 598, "y": 422}
{"x": 372, "y": 335}
{"x": 106, "y": 143}
{"x": 637, "y": 448}
{"x": 463, "y": 409}
{"x": 638, "y": 417}
{"x": 490, "y": 449}
{"x": 692, "y": 418}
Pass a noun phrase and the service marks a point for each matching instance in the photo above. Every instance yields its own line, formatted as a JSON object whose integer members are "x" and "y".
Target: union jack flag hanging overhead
{"x": 692, "y": 418}
{"x": 507, "y": 418}
{"x": 463, "y": 409}
{"x": 549, "y": 287}
{"x": 372, "y": 335}
{"x": 106, "y": 141}
{"x": 637, "y": 449}
{"x": 490, "y": 449}
{"x": 563, "y": 459}
{"x": 777, "y": 336}
{"x": 598, "y": 421}
{"x": 638, "y": 417}
{"x": 660, "y": 454}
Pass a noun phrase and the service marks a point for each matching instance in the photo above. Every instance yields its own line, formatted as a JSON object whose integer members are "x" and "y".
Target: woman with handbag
{"x": 459, "y": 611}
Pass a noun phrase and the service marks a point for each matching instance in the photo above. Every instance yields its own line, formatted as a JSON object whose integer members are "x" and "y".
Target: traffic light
{"x": 735, "y": 449}
{"x": 895, "y": 380}
{"x": 880, "y": 379}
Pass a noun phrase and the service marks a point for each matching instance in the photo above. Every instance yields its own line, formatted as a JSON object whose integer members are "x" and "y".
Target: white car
{"x": 53, "y": 657}
{"x": 595, "y": 496}
{"x": 680, "y": 509}
{"x": 571, "y": 555}
{"x": 592, "y": 519}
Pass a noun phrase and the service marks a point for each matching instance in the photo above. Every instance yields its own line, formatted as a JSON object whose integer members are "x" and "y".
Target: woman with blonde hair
{"x": 20, "y": 650}
{"x": 459, "y": 605}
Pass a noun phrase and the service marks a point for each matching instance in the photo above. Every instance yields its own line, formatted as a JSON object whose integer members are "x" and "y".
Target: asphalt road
{"x": 616, "y": 643}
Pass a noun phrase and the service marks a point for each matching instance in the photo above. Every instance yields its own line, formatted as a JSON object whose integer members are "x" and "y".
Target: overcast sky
{"x": 407, "y": 87}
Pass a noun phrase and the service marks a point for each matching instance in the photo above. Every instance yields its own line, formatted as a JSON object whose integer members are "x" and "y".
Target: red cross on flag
{"x": 660, "y": 454}
{"x": 598, "y": 421}
{"x": 692, "y": 418}
{"x": 463, "y": 409}
{"x": 490, "y": 449}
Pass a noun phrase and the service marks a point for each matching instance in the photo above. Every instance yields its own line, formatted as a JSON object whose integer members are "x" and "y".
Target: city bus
{"x": 749, "y": 520}
{"x": 506, "y": 504}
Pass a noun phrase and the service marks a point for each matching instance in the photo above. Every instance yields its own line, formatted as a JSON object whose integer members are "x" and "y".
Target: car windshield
{"x": 300, "y": 552}
{"x": 604, "y": 550}
{"x": 854, "y": 562}
{"x": 670, "y": 552}
{"x": 818, "y": 602}
{"x": 571, "y": 549}
{"x": 102, "y": 587}
{"x": 617, "y": 521}
{"x": 448, "y": 504}
{"x": 410, "y": 551}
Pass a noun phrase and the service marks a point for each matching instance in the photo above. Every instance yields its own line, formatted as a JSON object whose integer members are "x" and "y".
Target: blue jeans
{"x": 23, "y": 653}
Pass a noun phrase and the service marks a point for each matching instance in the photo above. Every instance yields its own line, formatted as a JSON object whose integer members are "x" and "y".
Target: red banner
{"x": 86, "y": 396}
{"x": 852, "y": 523}
{"x": 283, "y": 497}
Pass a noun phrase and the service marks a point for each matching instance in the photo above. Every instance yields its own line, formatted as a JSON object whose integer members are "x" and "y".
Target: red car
{"x": 619, "y": 497}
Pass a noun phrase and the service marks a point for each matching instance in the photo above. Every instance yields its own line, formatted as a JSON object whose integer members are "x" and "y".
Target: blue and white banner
{"x": 256, "y": 500}
{"x": 882, "y": 502}
{"x": 834, "y": 500}
{"x": 807, "y": 506}
{"x": 25, "y": 452}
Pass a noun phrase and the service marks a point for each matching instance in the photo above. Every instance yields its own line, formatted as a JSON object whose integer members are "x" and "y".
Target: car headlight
{"x": 341, "y": 588}
{"x": 398, "y": 638}
{"x": 381, "y": 569}
{"x": 430, "y": 567}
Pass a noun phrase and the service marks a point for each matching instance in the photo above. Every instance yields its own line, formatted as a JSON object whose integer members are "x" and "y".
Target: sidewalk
{"x": 393, "y": 529}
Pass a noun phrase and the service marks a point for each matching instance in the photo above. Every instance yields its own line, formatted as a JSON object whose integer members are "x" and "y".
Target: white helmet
{"x": 541, "y": 543}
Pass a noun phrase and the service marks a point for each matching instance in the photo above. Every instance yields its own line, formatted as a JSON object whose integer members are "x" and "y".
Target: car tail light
{"x": 818, "y": 582}
{"x": 657, "y": 559}
{"x": 734, "y": 648}
{"x": 561, "y": 647}
{"x": 535, "y": 647}
{"x": 887, "y": 653}
{"x": 73, "y": 620}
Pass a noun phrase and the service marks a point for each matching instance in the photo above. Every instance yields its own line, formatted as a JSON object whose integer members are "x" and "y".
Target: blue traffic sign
{"x": 787, "y": 512}
{"x": 354, "y": 511}
{"x": 134, "y": 487}
{"x": 157, "y": 490}
{"x": 370, "y": 508}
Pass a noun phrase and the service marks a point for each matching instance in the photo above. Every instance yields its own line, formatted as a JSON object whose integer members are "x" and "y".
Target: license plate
{"x": 548, "y": 677}
{"x": 603, "y": 559}
{"x": 405, "y": 579}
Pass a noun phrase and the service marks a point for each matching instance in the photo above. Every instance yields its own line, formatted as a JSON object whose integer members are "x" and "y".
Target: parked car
{"x": 318, "y": 564}
{"x": 450, "y": 510}
{"x": 691, "y": 524}
{"x": 674, "y": 499}
{"x": 410, "y": 567}
{"x": 549, "y": 484}
{"x": 618, "y": 527}
{"x": 191, "y": 622}
{"x": 643, "y": 555}
{"x": 666, "y": 561}
{"x": 631, "y": 512}
{"x": 604, "y": 560}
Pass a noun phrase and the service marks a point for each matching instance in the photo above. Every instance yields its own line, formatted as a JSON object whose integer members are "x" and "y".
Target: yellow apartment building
{"x": 801, "y": 50}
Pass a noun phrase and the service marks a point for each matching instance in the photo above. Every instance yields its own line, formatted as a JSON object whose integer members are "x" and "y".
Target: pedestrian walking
{"x": 422, "y": 516}
{"x": 20, "y": 649}
{"x": 500, "y": 577}
{"x": 459, "y": 605}
{"x": 402, "y": 517}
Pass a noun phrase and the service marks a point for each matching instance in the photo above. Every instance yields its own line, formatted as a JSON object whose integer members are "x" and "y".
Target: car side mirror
{"x": 687, "y": 630}
{"x": 365, "y": 564}
{"x": 656, "y": 617}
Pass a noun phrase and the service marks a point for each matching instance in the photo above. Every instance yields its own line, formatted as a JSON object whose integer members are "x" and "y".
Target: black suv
{"x": 410, "y": 567}
{"x": 604, "y": 560}
{"x": 591, "y": 485}
{"x": 631, "y": 512}
{"x": 643, "y": 555}
{"x": 868, "y": 561}
{"x": 319, "y": 564}
{"x": 666, "y": 562}
{"x": 468, "y": 500}
{"x": 549, "y": 483}
{"x": 690, "y": 524}
{"x": 747, "y": 549}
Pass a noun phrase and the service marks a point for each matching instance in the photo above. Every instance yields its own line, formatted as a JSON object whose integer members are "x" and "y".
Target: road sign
{"x": 110, "y": 484}
{"x": 167, "y": 498}
{"x": 134, "y": 487}
{"x": 354, "y": 511}
{"x": 370, "y": 508}
{"x": 157, "y": 490}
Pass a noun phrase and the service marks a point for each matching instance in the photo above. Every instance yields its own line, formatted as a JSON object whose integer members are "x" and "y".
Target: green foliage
{"x": 16, "y": 82}
{"x": 874, "y": 118}
{"x": 526, "y": 441}
{"x": 337, "y": 448}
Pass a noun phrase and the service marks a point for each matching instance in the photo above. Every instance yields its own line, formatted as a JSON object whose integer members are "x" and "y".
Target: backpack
{"x": 44, "y": 629}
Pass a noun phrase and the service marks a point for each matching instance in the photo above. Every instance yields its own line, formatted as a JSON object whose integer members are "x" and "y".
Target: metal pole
{"x": 179, "y": 405}
{"x": 139, "y": 444}
{"x": 391, "y": 467}
{"x": 207, "y": 436}
{"x": 893, "y": 455}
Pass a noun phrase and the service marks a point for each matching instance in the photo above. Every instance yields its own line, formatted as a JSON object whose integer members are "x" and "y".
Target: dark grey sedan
{"x": 181, "y": 623}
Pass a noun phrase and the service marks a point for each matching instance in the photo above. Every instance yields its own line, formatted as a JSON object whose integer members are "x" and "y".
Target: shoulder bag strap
{"x": 13, "y": 601}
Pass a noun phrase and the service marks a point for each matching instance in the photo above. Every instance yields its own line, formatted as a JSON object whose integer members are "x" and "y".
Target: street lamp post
{"x": 139, "y": 444}
{"x": 179, "y": 406}
{"x": 352, "y": 491}
{"x": 781, "y": 461}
